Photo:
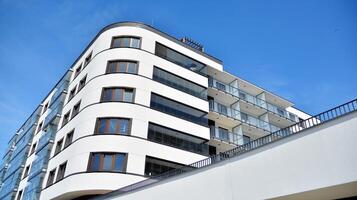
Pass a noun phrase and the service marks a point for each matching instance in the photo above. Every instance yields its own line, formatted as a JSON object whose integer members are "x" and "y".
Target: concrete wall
{"x": 318, "y": 163}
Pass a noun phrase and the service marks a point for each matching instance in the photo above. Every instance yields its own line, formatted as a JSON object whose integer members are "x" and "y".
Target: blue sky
{"x": 304, "y": 51}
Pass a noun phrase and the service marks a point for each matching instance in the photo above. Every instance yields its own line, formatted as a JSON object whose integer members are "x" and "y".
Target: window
{"x": 78, "y": 71}
{"x": 122, "y": 66}
{"x": 51, "y": 177}
{"x": 179, "y": 83}
{"x": 126, "y": 41}
{"x": 113, "y": 126}
{"x": 72, "y": 93}
{"x": 107, "y": 162}
{"x": 58, "y": 146}
{"x": 177, "y": 139}
{"x": 33, "y": 148}
{"x": 222, "y": 109}
{"x": 39, "y": 127}
{"x": 117, "y": 94}
{"x": 281, "y": 112}
{"x": 69, "y": 139}
{"x": 246, "y": 139}
{"x": 45, "y": 108}
{"x": 223, "y": 133}
{"x": 19, "y": 195}
{"x": 82, "y": 83}
{"x": 65, "y": 118}
{"x": 179, "y": 110}
{"x": 220, "y": 86}
{"x": 180, "y": 59}
{"x": 244, "y": 117}
{"x": 155, "y": 166}
{"x": 242, "y": 95}
{"x": 61, "y": 171}
{"x": 88, "y": 59}
{"x": 26, "y": 172}
{"x": 76, "y": 109}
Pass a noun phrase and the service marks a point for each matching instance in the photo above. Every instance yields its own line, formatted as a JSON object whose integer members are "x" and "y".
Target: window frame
{"x": 107, "y": 124}
{"x": 66, "y": 118}
{"x": 117, "y": 61}
{"x": 101, "y": 162}
{"x": 74, "y": 110}
{"x": 60, "y": 174}
{"x": 33, "y": 147}
{"x": 66, "y": 143}
{"x": 51, "y": 177}
{"x": 81, "y": 84}
{"x": 59, "y": 145}
{"x": 130, "y": 42}
{"x": 77, "y": 71}
{"x": 72, "y": 93}
{"x": 113, "y": 94}
{"x": 87, "y": 59}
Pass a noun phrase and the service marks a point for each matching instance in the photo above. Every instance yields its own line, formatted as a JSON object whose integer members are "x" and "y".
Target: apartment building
{"x": 136, "y": 103}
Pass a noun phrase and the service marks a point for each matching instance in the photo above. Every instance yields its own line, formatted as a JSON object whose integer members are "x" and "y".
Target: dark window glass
{"x": 222, "y": 108}
{"x": 45, "y": 108}
{"x": 82, "y": 83}
{"x": 19, "y": 195}
{"x": 69, "y": 139}
{"x": 180, "y": 59}
{"x": 51, "y": 177}
{"x": 125, "y": 41}
{"x": 39, "y": 127}
{"x": 155, "y": 166}
{"x": 72, "y": 93}
{"x": 177, "y": 139}
{"x": 117, "y": 94}
{"x": 61, "y": 171}
{"x": 177, "y": 109}
{"x": 122, "y": 66}
{"x": 59, "y": 146}
{"x": 107, "y": 162}
{"x": 179, "y": 83}
{"x": 26, "y": 172}
{"x": 33, "y": 148}
{"x": 78, "y": 71}
{"x": 95, "y": 162}
{"x": 65, "y": 118}
{"x": 88, "y": 59}
{"x": 76, "y": 109}
{"x": 113, "y": 126}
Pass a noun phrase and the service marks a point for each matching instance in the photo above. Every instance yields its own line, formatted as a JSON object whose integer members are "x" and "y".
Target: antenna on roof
{"x": 190, "y": 42}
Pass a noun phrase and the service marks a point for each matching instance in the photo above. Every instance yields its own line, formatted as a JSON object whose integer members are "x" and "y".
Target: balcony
{"x": 224, "y": 135}
{"x": 240, "y": 116}
{"x": 237, "y": 93}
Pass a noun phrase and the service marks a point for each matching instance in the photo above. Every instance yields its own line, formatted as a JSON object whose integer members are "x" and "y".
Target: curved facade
{"x": 137, "y": 103}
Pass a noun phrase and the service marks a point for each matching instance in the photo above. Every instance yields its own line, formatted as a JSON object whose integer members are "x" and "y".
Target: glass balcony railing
{"x": 251, "y": 99}
{"x": 224, "y": 135}
{"x": 243, "y": 117}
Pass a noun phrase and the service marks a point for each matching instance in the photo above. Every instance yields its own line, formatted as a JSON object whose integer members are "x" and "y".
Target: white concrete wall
{"x": 136, "y": 145}
{"x": 313, "y": 161}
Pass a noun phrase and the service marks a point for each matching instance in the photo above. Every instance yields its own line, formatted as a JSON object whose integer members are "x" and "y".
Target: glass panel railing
{"x": 224, "y": 135}
{"x": 238, "y": 115}
{"x": 251, "y": 99}
{"x": 40, "y": 161}
{"x": 224, "y": 110}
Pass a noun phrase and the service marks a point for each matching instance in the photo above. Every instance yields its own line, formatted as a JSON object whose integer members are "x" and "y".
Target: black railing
{"x": 313, "y": 121}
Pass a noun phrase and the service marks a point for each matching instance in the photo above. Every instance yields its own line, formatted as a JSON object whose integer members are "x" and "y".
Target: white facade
{"x": 234, "y": 108}
{"x": 319, "y": 163}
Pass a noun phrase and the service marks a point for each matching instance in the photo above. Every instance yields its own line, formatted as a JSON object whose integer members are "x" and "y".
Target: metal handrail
{"x": 313, "y": 121}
